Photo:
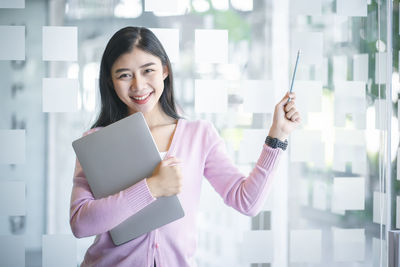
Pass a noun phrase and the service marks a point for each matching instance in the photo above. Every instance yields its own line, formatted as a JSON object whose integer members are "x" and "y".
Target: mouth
{"x": 142, "y": 99}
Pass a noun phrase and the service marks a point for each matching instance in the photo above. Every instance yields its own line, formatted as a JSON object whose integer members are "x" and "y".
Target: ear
{"x": 165, "y": 72}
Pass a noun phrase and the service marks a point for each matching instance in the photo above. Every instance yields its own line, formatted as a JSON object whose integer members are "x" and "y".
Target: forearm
{"x": 248, "y": 196}
{"x": 89, "y": 216}
{"x": 245, "y": 194}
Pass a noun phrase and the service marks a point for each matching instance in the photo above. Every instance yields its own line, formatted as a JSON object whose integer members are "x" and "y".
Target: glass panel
{"x": 232, "y": 61}
{"x": 347, "y": 189}
{"x": 23, "y": 156}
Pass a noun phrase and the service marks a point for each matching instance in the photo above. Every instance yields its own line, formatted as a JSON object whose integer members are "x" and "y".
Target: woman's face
{"x": 138, "y": 79}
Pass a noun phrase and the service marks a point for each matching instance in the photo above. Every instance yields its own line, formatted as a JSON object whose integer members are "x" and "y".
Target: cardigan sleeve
{"x": 245, "y": 194}
{"x": 90, "y": 216}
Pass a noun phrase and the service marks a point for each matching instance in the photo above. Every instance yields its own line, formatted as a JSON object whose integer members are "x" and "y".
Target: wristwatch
{"x": 275, "y": 142}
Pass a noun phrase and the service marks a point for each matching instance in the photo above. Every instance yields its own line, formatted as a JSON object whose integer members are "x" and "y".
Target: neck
{"x": 157, "y": 117}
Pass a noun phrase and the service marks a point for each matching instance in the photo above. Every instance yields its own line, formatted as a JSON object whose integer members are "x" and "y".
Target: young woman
{"x": 136, "y": 75}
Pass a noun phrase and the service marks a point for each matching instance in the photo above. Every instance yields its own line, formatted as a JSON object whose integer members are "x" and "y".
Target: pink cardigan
{"x": 202, "y": 152}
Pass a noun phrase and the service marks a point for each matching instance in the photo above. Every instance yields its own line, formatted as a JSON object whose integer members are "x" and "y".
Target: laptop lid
{"x": 118, "y": 156}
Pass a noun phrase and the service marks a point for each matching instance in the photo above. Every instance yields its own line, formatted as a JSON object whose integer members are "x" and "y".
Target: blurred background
{"x": 336, "y": 191}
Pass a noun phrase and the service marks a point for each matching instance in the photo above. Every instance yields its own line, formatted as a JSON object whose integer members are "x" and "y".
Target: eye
{"x": 124, "y": 75}
{"x": 148, "y": 70}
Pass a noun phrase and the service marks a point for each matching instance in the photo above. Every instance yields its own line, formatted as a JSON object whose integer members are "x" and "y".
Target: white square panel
{"x": 251, "y": 145}
{"x": 58, "y": 250}
{"x": 379, "y": 207}
{"x": 257, "y": 247}
{"x": 12, "y": 43}
{"x": 60, "y": 43}
{"x": 301, "y": 141}
{"x": 360, "y": 67}
{"x": 12, "y": 198}
{"x": 354, "y": 106}
{"x": 350, "y": 137}
{"x": 341, "y": 29}
{"x": 12, "y": 252}
{"x": 97, "y": 97}
{"x": 220, "y": 4}
{"x": 161, "y": 6}
{"x": 398, "y": 116}
{"x": 299, "y": 252}
{"x": 308, "y": 96}
{"x": 351, "y": 8}
{"x": 348, "y": 193}
{"x": 339, "y": 68}
{"x": 397, "y": 212}
{"x": 380, "y": 114}
{"x": 350, "y": 105}
{"x": 303, "y": 192}
{"x": 12, "y": 143}
{"x": 340, "y": 212}
{"x": 398, "y": 163}
{"x": 348, "y": 244}
{"x": 258, "y": 96}
{"x": 12, "y": 3}
{"x": 346, "y": 89}
{"x": 306, "y": 7}
{"x": 188, "y": 91}
{"x": 320, "y": 192}
{"x": 60, "y": 95}
{"x": 357, "y": 155}
{"x": 378, "y": 252}
{"x": 211, "y": 46}
{"x": 311, "y": 45}
{"x": 169, "y": 39}
{"x": 211, "y": 96}
{"x": 325, "y": 71}
{"x": 380, "y": 68}
{"x": 269, "y": 202}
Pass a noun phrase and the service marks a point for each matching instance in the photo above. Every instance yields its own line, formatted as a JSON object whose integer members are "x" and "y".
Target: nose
{"x": 138, "y": 82}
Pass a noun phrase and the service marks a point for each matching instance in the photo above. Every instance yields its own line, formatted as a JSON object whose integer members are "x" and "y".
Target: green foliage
{"x": 231, "y": 20}
{"x": 239, "y": 28}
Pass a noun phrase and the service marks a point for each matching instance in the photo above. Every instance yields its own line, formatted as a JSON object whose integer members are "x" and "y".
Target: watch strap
{"x": 276, "y": 143}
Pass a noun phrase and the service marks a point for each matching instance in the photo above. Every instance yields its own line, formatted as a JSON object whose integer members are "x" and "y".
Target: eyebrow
{"x": 143, "y": 66}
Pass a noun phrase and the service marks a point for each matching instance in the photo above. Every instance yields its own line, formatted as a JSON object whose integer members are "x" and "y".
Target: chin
{"x": 145, "y": 109}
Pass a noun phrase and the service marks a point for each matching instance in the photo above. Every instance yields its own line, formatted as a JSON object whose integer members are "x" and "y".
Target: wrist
{"x": 275, "y": 133}
{"x": 152, "y": 185}
{"x": 276, "y": 143}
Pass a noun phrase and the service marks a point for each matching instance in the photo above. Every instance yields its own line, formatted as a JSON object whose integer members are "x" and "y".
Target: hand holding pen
{"x": 286, "y": 116}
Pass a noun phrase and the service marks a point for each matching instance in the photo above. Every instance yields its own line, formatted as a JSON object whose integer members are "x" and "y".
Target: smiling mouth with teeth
{"x": 140, "y": 99}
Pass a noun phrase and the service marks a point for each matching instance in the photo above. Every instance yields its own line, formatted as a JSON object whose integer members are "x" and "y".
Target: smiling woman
{"x": 134, "y": 64}
{"x": 136, "y": 76}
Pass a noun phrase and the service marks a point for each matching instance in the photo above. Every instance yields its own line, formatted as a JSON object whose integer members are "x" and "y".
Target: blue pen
{"x": 294, "y": 73}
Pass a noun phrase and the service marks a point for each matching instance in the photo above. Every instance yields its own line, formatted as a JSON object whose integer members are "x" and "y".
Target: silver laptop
{"x": 118, "y": 156}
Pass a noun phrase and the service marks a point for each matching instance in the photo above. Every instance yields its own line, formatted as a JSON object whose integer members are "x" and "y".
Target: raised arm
{"x": 248, "y": 194}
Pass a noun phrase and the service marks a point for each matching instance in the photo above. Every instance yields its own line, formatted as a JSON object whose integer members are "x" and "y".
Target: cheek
{"x": 120, "y": 91}
{"x": 119, "y": 87}
{"x": 160, "y": 85}
{"x": 118, "y": 94}
{"x": 117, "y": 91}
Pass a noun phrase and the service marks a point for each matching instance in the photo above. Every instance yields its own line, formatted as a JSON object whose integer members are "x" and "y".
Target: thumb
{"x": 284, "y": 100}
{"x": 171, "y": 161}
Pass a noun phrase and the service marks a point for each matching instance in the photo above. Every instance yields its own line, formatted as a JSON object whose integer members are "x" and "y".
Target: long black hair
{"x": 123, "y": 41}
